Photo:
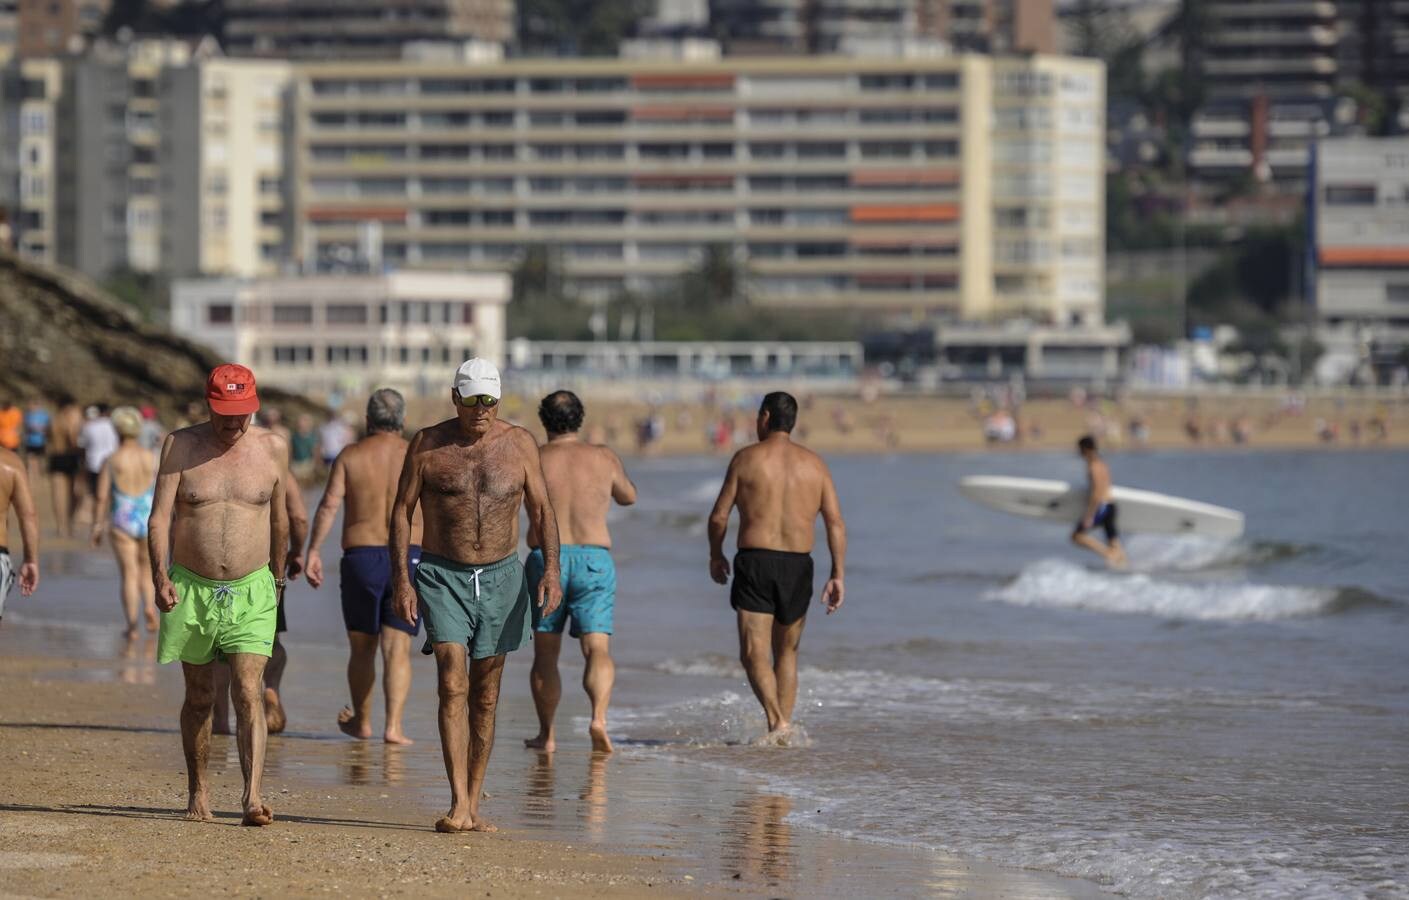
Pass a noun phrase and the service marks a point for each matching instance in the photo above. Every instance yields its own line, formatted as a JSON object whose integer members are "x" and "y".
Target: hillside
{"x": 60, "y": 333}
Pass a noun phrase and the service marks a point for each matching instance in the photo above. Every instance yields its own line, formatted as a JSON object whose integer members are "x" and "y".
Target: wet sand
{"x": 93, "y": 785}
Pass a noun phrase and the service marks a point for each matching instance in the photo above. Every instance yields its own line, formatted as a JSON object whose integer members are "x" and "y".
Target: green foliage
{"x": 578, "y": 27}
{"x": 706, "y": 303}
{"x": 145, "y": 292}
{"x": 1251, "y": 286}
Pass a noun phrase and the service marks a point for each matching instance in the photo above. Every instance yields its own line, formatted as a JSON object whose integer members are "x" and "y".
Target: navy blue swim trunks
{"x": 367, "y": 590}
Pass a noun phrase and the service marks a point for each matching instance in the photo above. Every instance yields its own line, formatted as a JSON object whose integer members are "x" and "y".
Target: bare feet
{"x": 600, "y": 742}
{"x": 483, "y": 827}
{"x": 396, "y": 737}
{"x": 131, "y": 633}
{"x": 198, "y": 810}
{"x": 258, "y": 816}
{"x": 275, "y": 719}
{"x": 543, "y": 742}
{"x": 350, "y": 726}
{"x": 1116, "y": 559}
{"x": 451, "y": 823}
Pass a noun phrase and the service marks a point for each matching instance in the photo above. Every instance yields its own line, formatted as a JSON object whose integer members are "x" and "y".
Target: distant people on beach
{"x": 65, "y": 463}
{"x": 1101, "y": 511}
{"x": 98, "y": 439}
{"x": 219, "y": 518}
{"x": 470, "y": 474}
{"x": 36, "y": 439}
{"x": 779, "y": 488}
{"x": 365, "y": 474}
{"x": 332, "y": 438}
{"x": 11, "y": 425}
{"x": 15, "y": 494}
{"x": 303, "y": 445}
{"x": 126, "y": 485}
{"x": 583, "y": 480}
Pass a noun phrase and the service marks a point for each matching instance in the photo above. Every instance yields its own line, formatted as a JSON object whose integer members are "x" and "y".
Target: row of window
{"x": 651, "y": 151}
{"x": 400, "y": 188}
{"x": 405, "y": 312}
{"x": 361, "y": 354}
{"x": 618, "y": 118}
{"x": 724, "y": 82}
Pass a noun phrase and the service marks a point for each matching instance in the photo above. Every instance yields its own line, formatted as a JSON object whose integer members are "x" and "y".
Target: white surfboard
{"x": 1138, "y": 510}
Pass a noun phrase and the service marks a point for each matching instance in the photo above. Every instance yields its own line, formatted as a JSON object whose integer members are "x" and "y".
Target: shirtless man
{"x": 14, "y": 491}
{"x": 470, "y": 474}
{"x": 224, "y": 482}
{"x": 1100, "y": 510}
{"x": 583, "y": 480}
{"x": 366, "y": 473}
{"x": 275, "y": 718}
{"x": 779, "y": 487}
{"x": 65, "y": 460}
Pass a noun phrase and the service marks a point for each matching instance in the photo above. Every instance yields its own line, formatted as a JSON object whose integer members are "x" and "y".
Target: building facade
{"x": 222, "y": 155}
{"x": 348, "y": 334}
{"x": 1281, "y": 75}
{"x": 1360, "y": 216}
{"x": 960, "y": 187}
{"x": 359, "y": 29}
{"x": 48, "y": 28}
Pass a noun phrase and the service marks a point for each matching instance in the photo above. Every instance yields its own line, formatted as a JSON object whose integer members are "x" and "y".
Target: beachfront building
{"x": 962, "y": 187}
{"x": 347, "y": 334}
{"x": 29, "y": 183}
{"x": 1360, "y": 230}
{"x": 359, "y": 29}
{"x": 688, "y": 359}
{"x": 222, "y": 156}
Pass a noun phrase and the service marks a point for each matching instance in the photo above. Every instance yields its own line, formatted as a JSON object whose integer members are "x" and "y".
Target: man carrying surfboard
{"x": 1100, "y": 508}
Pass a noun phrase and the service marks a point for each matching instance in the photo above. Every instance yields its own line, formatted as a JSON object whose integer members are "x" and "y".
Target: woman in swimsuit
{"x": 125, "y": 486}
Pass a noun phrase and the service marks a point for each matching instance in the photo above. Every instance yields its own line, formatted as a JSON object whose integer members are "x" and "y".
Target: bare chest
{"x": 471, "y": 475}
{"x": 245, "y": 480}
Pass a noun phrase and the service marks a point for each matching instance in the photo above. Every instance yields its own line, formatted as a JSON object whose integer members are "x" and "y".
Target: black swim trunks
{"x": 774, "y": 582}
{"x": 1104, "y": 518}
{"x": 64, "y": 463}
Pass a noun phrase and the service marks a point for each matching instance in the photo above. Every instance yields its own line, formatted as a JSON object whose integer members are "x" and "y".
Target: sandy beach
{"x": 94, "y": 786}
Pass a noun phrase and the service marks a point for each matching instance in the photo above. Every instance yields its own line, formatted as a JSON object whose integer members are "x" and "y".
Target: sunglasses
{"x": 484, "y": 400}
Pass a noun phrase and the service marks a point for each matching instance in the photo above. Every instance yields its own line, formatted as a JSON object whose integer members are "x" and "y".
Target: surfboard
{"x": 1138, "y": 510}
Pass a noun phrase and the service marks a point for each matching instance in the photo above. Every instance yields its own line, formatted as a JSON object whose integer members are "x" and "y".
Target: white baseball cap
{"x": 477, "y": 376}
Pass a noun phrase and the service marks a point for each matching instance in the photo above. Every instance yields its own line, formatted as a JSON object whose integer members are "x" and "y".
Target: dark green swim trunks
{"x": 484, "y": 607}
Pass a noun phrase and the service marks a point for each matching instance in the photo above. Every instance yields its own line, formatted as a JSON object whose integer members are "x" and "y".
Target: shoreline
{"x": 95, "y": 784}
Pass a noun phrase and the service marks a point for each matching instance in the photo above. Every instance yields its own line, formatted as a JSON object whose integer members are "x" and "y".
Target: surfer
{"x": 1100, "y": 509}
{"x": 780, "y": 488}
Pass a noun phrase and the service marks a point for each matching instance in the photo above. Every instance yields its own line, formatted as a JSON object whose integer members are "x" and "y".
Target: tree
{"x": 578, "y": 27}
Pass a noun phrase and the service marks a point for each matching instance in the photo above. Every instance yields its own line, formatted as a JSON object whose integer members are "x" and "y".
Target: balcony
{"x": 1221, "y": 128}
{"x": 1307, "y": 36}
{"x": 1220, "y": 158}
{"x": 1273, "y": 9}
{"x": 1279, "y": 66}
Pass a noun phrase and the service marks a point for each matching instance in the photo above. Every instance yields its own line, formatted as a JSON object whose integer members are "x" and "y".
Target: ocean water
{"x": 1223, "y": 719}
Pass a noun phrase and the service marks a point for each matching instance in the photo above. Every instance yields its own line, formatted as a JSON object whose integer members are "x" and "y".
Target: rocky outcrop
{"x": 62, "y": 334}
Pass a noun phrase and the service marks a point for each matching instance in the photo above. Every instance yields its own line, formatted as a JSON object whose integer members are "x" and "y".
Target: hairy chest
{"x": 247, "y": 480}
{"x": 490, "y": 476}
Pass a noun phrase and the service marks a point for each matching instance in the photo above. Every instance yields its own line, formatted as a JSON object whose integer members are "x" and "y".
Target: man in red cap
{"x": 219, "y": 509}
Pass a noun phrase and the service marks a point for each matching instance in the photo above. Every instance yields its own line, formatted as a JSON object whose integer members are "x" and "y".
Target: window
{"x": 293, "y": 314}
{"x": 337, "y": 355}
{"x": 1350, "y": 195}
{"x": 220, "y": 314}
{"x": 346, "y": 314}
{"x": 1397, "y": 293}
{"x": 292, "y": 354}
{"x": 36, "y": 123}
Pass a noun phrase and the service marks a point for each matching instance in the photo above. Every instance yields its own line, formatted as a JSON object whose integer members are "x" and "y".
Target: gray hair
{"x": 386, "y": 411}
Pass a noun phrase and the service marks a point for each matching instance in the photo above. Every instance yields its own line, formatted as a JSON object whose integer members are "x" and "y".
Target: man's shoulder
{"x": 9, "y": 459}
{"x": 517, "y": 434}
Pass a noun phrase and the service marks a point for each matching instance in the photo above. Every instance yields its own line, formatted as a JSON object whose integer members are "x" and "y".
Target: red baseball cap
{"x": 230, "y": 391}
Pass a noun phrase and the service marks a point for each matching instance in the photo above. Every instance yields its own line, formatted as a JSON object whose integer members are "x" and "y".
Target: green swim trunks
{"x": 217, "y": 618}
{"x": 484, "y": 607}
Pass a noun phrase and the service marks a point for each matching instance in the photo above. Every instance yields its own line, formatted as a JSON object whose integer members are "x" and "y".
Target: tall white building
{"x": 222, "y": 153}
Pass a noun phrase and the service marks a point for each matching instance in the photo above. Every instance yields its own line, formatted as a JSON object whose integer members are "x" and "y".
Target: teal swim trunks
{"x": 589, "y": 590}
{"x": 484, "y": 607}
{"x": 218, "y": 618}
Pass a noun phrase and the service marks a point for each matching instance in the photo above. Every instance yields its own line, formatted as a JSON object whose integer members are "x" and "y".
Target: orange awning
{"x": 929, "y": 212}
{"x": 683, "y": 82}
{"x": 1348, "y": 257}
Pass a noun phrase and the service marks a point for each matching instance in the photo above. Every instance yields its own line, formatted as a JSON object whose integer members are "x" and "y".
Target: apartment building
{"x": 359, "y": 29}
{"x": 106, "y": 144}
{"x": 47, "y": 28}
{"x": 29, "y": 157}
{"x": 1360, "y": 230}
{"x": 348, "y": 335}
{"x": 770, "y": 27}
{"x": 222, "y": 156}
{"x": 961, "y": 187}
{"x": 1275, "y": 71}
